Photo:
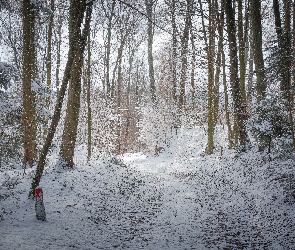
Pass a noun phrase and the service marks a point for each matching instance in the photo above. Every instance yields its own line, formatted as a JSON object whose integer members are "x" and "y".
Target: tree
{"x": 216, "y": 20}
{"x": 239, "y": 106}
{"x": 257, "y": 47}
{"x": 110, "y": 15}
{"x": 29, "y": 76}
{"x": 242, "y": 36}
{"x": 74, "y": 28}
{"x": 49, "y": 47}
{"x": 149, "y": 4}
{"x": 184, "y": 52}
{"x": 174, "y": 50}
{"x": 284, "y": 54}
{"x": 77, "y": 10}
{"x": 88, "y": 86}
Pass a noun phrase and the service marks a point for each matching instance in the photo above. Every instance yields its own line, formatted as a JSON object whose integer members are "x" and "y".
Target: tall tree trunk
{"x": 49, "y": 56}
{"x": 108, "y": 49}
{"x": 49, "y": 46}
{"x": 149, "y": 10}
{"x": 118, "y": 66}
{"x": 58, "y": 48}
{"x": 57, "y": 111}
{"x": 89, "y": 116}
{"x": 250, "y": 74}
{"x": 210, "y": 48}
{"x": 120, "y": 78}
{"x": 235, "y": 83}
{"x": 293, "y": 53}
{"x": 174, "y": 51}
{"x": 193, "y": 64}
{"x": 29, "y": 76}
{"x": 77, "y": 10}
{"x": 226, "y": 103}
{"x": 184, "y": 51}
{"x": 286, "y": 40}
{"x": 220, "y": 26}
{"x": 257, "y": 47}
{"x": 242, "y": 49}
{"x": 284, "y": 44}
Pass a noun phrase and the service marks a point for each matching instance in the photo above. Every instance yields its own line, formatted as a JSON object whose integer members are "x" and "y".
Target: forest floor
{"x": 178, "y": 200}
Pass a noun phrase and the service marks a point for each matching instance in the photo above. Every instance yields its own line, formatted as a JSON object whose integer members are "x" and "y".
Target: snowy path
{"x": 153, "y": 203}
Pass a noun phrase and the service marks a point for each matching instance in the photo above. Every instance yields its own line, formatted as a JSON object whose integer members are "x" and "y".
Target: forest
{"x": 171, "y": 110}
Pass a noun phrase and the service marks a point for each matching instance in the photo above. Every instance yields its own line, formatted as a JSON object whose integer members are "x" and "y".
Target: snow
{"x": 178, "y": 200}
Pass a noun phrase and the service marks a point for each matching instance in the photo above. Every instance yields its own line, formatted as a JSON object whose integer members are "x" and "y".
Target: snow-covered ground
{"x": 178, "y": 200}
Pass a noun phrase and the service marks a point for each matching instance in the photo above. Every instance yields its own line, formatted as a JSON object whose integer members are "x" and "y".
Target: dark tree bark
{"x": 49, "y": 46}
{"x": 239, "y": 106}
{"x": 210, "y": 58}
{"x": 184, "y": 52}
{"x": 257, "y": 47}
{"x": 193, "y": 65}
{"x": 89, "y": 116}
{"x": 77, "y": 10}
{"x": 29, "y": 76}
{"x": 220, "y": 27}
{"x": 74, "y": 27}
{"x": 242, "y": 59}
{"x": 110, "y": 17}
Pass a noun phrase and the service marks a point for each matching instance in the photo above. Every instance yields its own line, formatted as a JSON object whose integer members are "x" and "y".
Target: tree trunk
{"x": 77, "y": 10}
{"x": 227, "y": 116}
{"x": 89, "y": 116}
{"x": 61, "y": 94}
{"x": 193, "y": 65}
{"x": 149, "y": 10}
{"x": 242, "y": 49}
{"x": 49, "y": 57}
{"x": 108, "y": 49}
{"x": 174, "y": 52}
{"x": 54, "y": 123}
{"x": 58, "y": 55}
{"x": 220, "y": 26}
{"x": 235, "y": 84}
{"x": 250, "y": 74}
{"x": 49, "y": 46}
{"x": 184, "y": 51}
{"x": 257, "y": 47}
{"x": 29, "y": 75}
{"x": 210, "y": 49}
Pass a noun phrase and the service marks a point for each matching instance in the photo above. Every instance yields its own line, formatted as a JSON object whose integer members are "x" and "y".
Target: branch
{"x": 145, "y": 15}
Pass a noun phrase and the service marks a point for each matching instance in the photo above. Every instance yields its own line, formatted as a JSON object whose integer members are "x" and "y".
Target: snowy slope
{"x": 179, "y": 200}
